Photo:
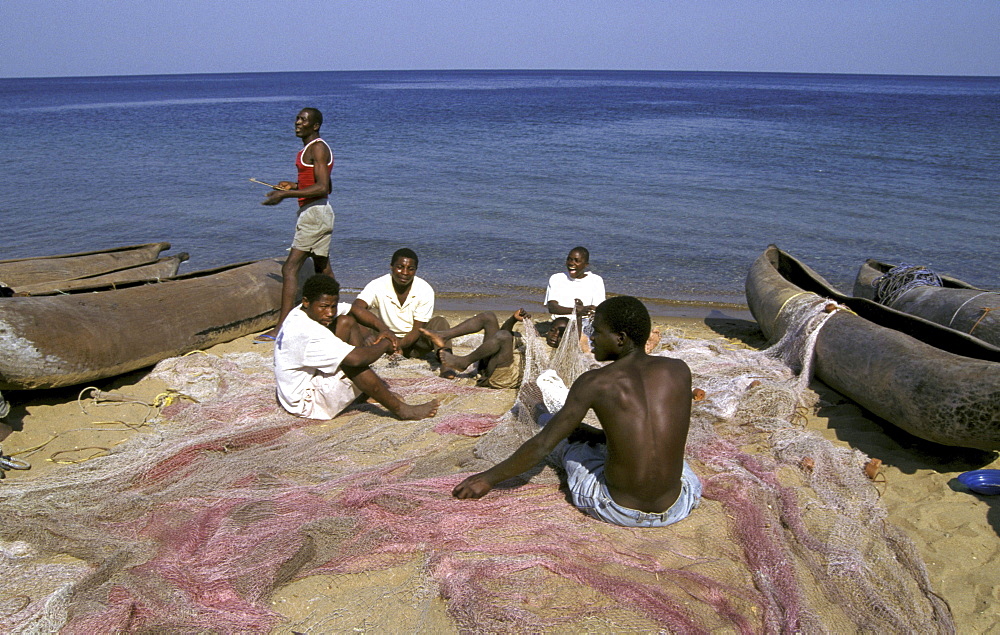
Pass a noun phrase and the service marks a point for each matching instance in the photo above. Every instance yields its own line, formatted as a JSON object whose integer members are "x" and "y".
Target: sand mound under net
{"x": 229, "y": 515}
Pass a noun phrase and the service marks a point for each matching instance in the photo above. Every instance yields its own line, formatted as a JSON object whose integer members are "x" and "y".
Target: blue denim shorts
{"x": 584, "y": 465}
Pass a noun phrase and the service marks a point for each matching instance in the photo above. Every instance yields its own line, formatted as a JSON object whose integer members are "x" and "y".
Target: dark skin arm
{"x": 557, "y": 309}
{"x": 517, "y": 316}
{"x": 319, "y": 155}
{"x": 534, "y": 450}
{"x": 411, "y": 338}
{"x": 401, "y": 342}
{"x": 582, "y": 311}
{"x": 372, "y": 321}
{"x": 363, "y": 356}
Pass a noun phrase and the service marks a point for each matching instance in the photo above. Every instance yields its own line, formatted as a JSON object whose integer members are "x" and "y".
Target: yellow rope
{"x": 101, "y": 398}
{"x": 101, "y": 452}
{"x": 30, "y": 451}
{"x": 785, "y": 303}
{"x": 986, "y": 311}
{"x": 846, "y": 309}
{"x": 167, "y": 398}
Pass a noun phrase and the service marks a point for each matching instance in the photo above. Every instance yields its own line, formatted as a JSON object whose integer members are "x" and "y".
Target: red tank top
{"x": 306, "y": 176}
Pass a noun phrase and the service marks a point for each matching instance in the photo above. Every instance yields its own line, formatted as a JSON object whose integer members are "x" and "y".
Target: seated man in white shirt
{"x": 321, "y": 364}
{"x": 405, "y": 303}
{"x": 577, "y": 289}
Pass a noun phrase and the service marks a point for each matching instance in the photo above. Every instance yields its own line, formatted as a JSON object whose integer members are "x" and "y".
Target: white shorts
{"x": 314, "y": 228}
{"x": 328, "y": 396}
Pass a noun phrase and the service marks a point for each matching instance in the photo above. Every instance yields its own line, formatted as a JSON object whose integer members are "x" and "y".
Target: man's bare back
{"x": 644, "y": 406}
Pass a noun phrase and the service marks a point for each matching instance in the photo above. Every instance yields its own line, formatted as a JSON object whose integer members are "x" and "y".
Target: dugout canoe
{"x": 25, "y": 271}
{"x": 934, "y": 382}
{"x": 165, "y": 267}
{"x": 955, "y": 304}
{"x": 62, "y": 340}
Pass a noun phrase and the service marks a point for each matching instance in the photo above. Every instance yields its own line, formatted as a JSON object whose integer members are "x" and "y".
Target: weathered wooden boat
{"x": 955, "y": 304}
{"x": 934, "y": 382}
{"x": 25, "y": 271}
{"x": 165, "y": 267}
{"x": 61, "y": 340}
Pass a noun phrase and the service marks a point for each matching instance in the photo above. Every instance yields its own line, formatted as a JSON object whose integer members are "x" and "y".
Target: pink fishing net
{"x": 229, "y": 515}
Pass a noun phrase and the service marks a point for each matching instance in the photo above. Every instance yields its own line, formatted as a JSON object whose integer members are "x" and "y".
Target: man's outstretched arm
{"x": 364, "y": 356}
{"x": 534, "y": 450}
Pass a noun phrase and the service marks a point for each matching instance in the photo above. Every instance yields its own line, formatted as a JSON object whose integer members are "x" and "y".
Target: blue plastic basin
{"x": 986, "y": 482}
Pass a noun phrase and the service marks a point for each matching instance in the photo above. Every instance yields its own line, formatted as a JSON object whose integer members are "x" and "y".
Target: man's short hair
{"x": 320, "y": 284}
{"x": 315, "y": 115}
{"x": 582, "y": 250}
{"x": 625, "y": 314}
{"x": 405, "y": 252}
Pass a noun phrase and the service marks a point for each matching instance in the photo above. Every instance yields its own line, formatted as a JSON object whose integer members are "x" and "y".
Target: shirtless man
{"x": 639, "y": 478}
{"x": 321, "y": 364}
{"x": 314, "y": 226}
{"x": 405, "y": 303}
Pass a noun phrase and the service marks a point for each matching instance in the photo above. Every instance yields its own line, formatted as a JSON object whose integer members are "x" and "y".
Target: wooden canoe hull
{"x": 934, "y": 382}
{"x": 956, "y": 304}
{"x": 25, "y": 271}
{"x": 165, "y": 267}
{"x": 62, "y": 340}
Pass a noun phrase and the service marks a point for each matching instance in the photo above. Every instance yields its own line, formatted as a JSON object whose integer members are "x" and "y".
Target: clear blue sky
{"x": 43, "y": 38}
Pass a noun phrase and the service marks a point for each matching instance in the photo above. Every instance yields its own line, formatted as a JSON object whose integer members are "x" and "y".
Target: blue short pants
{"x": 584, "y": 465}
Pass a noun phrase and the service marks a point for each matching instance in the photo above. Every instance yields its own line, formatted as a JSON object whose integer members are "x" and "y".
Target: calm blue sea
{"x": 674, "y": 181}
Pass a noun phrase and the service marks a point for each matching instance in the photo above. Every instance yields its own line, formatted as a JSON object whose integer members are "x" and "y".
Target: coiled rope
{"x": 891, "y": 285}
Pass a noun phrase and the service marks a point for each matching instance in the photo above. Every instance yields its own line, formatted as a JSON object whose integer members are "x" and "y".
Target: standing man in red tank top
{"x": 314, "y": 226}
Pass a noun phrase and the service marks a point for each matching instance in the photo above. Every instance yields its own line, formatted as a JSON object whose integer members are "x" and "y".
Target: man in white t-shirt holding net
{"x": 575, "y": 290}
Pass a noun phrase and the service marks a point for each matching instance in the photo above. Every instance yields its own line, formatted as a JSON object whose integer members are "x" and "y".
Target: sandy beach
{"x": 955, "y": 531}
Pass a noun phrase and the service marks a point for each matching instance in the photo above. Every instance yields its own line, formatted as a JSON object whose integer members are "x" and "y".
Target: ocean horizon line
{"x": 507, "y": 70}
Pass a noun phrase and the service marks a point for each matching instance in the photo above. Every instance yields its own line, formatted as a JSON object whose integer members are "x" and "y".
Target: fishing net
{"x": 229, "y": 515}
{"x": 891, "y": 285}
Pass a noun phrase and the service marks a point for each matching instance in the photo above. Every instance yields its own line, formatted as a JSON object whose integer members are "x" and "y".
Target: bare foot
{"x": 449, "y": 362}
{"x": 441, "y": 349}
{"x": 653, "y": 341}
{"x": 419, "y": 411}
{"x": 435, "y": 339}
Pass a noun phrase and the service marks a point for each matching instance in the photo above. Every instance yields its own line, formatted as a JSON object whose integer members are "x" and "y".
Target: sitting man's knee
{"x": 437, "y": 323}
{"x": 346, "y": 327}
